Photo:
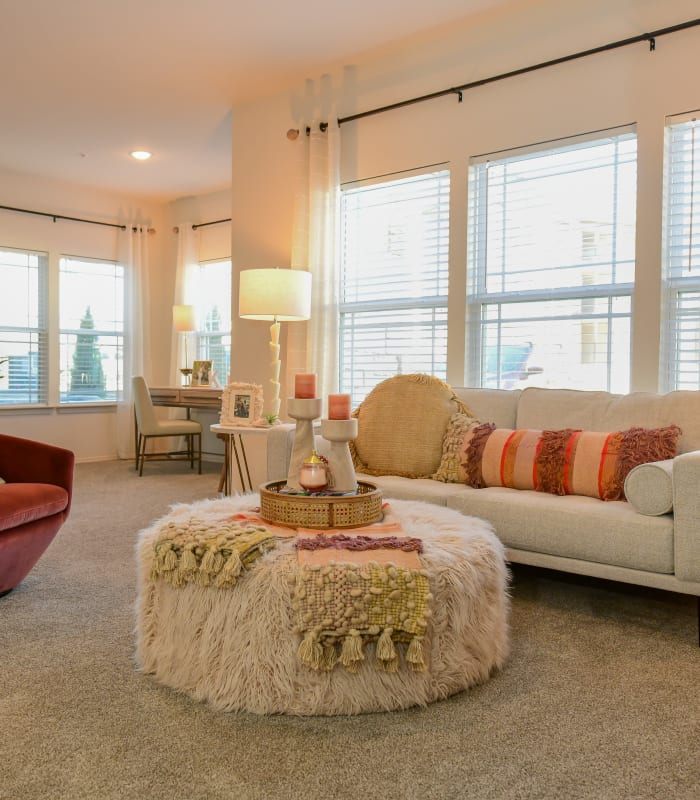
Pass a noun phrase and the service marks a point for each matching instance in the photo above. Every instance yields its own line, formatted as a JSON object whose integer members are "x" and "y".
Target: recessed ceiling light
{"x": 141, "y": 155}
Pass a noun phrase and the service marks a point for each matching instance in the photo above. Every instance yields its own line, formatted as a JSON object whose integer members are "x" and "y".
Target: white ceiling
{"x": 84, "y": 82}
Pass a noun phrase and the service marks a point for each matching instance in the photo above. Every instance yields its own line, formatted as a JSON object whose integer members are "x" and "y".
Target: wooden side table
{"x": 234, "y": 447}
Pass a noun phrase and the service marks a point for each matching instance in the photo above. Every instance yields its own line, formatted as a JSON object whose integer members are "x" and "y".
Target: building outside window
{"x": 551, "y": 236}
{"x": 681, "y": 255}
{"x": 394, "y": 280}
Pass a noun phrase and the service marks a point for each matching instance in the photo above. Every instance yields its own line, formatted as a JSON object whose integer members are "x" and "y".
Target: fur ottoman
{"x": 228, "y": 627}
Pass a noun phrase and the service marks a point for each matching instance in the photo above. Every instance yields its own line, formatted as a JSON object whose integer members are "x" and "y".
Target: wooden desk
{"x": 187, "y": 397}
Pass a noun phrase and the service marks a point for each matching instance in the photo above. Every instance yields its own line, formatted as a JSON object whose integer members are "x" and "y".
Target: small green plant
{"x": 271, "y": 418}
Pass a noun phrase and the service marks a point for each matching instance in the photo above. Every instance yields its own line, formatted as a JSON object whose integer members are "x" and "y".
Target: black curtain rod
{"x": 215, "y": 222}
{"x": 54, "y": 217}
{"x": 650, "y": 37}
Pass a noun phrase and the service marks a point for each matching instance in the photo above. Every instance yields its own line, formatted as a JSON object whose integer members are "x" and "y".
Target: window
{"x": 393, "y": 287}
{"x": 23, "y": 327}
{"x": 551, "y": 264}
{"x": 681, "y": 255}
{"x": 213, "y": 307}
{"x": 91, "y": 319}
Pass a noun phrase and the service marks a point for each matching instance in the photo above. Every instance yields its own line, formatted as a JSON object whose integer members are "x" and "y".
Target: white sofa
{"x": 584, "y": 535}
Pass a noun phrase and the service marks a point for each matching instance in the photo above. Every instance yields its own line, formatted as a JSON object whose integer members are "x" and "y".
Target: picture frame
{"x": 241, "y": 404}
{"x": 201, "y": 372}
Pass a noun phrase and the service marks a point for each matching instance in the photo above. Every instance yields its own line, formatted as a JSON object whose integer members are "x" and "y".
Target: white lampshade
{"x": 269, "y": 294}
{"x": 184, "y": 318}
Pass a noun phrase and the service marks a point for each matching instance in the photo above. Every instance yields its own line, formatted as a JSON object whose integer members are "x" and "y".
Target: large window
{"x": 393, "y": 289}
{"x": 23, "y": 327}
{"x": 91, "y": 319}
{"x": 213, "y": 306}
{"x": 551, "y": 264}
{"x": 681, "y": 336}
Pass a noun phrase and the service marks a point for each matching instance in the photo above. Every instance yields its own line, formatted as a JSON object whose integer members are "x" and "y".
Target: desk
{"x": 187, "y": 397}
{"x": 228, "y": 433}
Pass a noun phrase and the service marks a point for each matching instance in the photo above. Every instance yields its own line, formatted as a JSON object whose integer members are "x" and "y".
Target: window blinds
{"x": 394, "y": 276}
{"x": 681, "y": 261}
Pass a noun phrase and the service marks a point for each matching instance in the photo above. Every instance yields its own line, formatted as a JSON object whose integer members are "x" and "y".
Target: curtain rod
{"x": 54, "y": 217}
{"x": 176, "y": 229}
{"x": 650, "y": 37}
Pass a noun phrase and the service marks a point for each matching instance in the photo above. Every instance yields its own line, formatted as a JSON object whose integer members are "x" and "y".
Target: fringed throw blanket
{"x": 351, "y": 589}
{"x": 206, "y": 553}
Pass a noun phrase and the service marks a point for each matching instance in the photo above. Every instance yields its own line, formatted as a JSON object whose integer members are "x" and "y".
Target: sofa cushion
{"x": 401, "y": 423}
{"x": 563, "y": 461}
{"x": 601, "y": 411}
{"x": 649, "y": 487}
{"x": 453, "y": 443}
{"x": 499, "y": 406}
{"x": 573, "y": 526}
{"x": 25, "y": 502}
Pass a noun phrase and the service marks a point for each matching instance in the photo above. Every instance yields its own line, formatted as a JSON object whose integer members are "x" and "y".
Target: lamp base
{"x": 186, "y": 373}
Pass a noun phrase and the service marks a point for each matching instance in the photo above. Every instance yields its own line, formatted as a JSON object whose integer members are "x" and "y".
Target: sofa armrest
{"x": 686, "y": 516}
{"x": 29, "y": 461}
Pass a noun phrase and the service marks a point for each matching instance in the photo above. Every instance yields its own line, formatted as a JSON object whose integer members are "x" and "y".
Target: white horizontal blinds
{"x": 23, "y": 328}
{"x": 213, "y": 305}
{"x": 394, "y": 275}
{"x": 551, "y": 264}
{"x": 91, "y": 338}
{"x": 681, "y": 346}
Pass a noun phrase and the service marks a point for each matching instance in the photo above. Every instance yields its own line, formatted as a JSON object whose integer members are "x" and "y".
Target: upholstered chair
{"x": 148, "y": 426}
{"x": 36, "y": 488}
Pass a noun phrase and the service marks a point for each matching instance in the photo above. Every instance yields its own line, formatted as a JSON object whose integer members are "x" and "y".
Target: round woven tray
{"x": 303, "y": 511}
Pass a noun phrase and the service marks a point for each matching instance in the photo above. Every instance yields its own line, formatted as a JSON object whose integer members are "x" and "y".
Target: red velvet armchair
{"x": 35, "y": 501}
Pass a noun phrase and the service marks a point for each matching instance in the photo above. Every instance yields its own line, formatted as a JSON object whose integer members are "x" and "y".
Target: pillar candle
{"x": 305, "y": 385}
{"x": 338, "y": 406}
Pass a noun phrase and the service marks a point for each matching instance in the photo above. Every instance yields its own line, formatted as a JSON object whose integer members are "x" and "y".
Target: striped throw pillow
{"x": 564, "y": 461}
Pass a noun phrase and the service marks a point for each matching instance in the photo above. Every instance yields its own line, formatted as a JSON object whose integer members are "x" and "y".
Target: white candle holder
{"x": 339, "y": 432}
{"x": 304, "y": 411}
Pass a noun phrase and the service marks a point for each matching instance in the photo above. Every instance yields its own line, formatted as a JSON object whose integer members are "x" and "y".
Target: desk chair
{"x": 149, "y": 426}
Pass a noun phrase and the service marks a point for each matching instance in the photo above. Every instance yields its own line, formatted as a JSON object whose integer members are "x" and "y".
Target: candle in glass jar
{"x": 305, "y": 385}
{"x": 338, "y": 406}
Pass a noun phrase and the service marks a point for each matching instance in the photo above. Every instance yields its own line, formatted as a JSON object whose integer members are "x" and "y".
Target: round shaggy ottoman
{"x": 234, "y": 639}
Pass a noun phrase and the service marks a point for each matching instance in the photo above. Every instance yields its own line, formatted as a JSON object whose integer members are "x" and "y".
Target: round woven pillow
{"x": 401, "y": 424}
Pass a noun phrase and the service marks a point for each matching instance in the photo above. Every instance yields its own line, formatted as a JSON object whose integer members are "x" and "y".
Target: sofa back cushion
{"x": 401, "y": 424}
{"x": 602, "y": 411}
{"x": 499, "y": 406}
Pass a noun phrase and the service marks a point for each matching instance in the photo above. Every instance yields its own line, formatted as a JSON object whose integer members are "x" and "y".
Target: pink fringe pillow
{"x": 562, "y": 462}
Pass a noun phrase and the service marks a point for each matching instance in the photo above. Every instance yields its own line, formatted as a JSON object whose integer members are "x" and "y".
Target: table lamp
{"x": 184, "y": 322}
{"x": 276, "y": 295}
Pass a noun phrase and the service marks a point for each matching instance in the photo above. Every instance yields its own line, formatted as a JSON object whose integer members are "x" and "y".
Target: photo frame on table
{"x": 241, "y": 404}
{"x": 201, "y": 373}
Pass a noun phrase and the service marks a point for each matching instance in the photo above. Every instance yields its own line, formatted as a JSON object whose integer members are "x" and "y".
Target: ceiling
{"x": 87, "y": 81}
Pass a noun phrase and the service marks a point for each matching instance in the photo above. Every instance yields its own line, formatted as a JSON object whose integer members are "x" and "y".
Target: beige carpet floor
{"x": 600, "y": 697}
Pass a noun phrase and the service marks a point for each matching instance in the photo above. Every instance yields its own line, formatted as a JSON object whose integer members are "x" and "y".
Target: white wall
{"x": 628, "y": 85}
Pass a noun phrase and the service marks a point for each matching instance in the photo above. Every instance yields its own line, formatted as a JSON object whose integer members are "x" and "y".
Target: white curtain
{"x": 315, "y": 247}
{"x": 185, "y": 294}
{"x": 133, "y": 255}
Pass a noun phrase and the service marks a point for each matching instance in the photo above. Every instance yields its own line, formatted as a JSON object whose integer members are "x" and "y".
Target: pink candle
{"x": 338, "y": 406}
{"x": 305, "y": 385}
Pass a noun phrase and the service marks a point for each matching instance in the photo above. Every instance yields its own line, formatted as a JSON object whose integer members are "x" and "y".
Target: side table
{"x": 228, "y": 434}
